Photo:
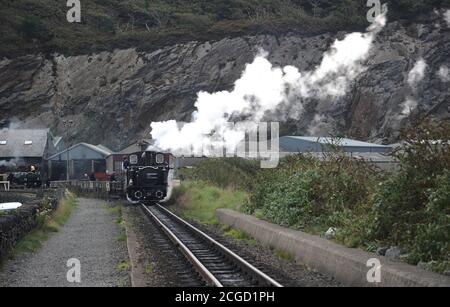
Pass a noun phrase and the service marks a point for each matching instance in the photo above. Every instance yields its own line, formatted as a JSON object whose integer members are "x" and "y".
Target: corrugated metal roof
{"x": 370, "y": 157}
{"x": 102, "y": 150}
{"x": 15, "y": 142}
{"x": 336, "y": 141}
{"x": 105, "y": 149}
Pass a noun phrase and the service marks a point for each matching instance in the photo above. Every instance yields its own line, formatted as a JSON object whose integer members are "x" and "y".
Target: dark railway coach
{"x": 149, "y": 177}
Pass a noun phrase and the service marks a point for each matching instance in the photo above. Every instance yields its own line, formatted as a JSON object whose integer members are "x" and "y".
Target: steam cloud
{"x": 9, "y": 164}
{"x": 447, "y": 17}
{"x": 408, "y": 106}
{"x": 264, "y": 89}
{"x": 444, "y": 73}
{"x": 13, "y": 123}
{"x": 417, "y": 74}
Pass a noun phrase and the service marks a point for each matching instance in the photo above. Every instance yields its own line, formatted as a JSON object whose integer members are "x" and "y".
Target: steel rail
{"x": 263, "y": 279}
{"x": 199, "y": 267}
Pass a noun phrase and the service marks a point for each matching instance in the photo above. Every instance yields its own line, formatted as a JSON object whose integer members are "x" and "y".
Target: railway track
{"x": 216, "y": 264}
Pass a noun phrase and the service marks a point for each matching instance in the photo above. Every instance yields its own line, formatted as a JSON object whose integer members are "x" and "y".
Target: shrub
{"x": 33, "y": 28}
{"x": 306, "y": 193}
{"x": 232, "y": 172}
{"x": 411, "y": 208}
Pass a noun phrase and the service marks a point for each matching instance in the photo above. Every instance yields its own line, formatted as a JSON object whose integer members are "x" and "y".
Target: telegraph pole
{"x": 67, "y": 125}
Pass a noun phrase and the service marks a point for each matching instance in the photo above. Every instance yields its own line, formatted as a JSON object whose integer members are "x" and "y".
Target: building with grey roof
{"x": 84, "y": 159}
{"x": 21, "y": 148}
{"x": 322, "y": 148}
{"x": 303, "y": 144}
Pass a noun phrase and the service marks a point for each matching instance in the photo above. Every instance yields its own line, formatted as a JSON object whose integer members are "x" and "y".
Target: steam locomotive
{"x": 149, "y": 177}
{"x": 29, "y": 180}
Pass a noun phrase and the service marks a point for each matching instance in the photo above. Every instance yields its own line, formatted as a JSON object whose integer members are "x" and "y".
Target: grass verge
{"x": 116, "y": 210}
{"x": 198, "y": 201}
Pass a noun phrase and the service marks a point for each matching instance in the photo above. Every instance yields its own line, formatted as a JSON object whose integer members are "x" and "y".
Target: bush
{"x": 407, "y": 208}
{"x": 234, "y": 172}
{"x": 33, "y": 28}
{"x": 306, "y": 193}
{"x": 411, "y": 209}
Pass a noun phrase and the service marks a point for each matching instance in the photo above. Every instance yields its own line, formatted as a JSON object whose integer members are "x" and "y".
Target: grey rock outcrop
{"x": 114, "y": 96}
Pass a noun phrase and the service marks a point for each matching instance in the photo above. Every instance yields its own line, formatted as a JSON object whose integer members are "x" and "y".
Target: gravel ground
{"x": 90, "y": 235}
{"x": 156, "y": 262}
{"x": 285, "y": 271}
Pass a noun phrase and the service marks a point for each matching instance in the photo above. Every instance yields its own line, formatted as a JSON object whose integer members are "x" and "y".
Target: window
{"x": 133, "y": 159}
{"x": 160, "y": 158}
{"x": 28, "y": 142}
{"x": 2, "y": 142}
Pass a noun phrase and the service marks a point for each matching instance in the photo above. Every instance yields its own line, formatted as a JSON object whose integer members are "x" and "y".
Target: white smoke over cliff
{"x": 320, "y": 126}
{"x": 417, "y": 74}
{"x": 444, "y": 73}
{"x": 264, "y": 88}
{"x": 415, "y": 77}
{"x": 447, "y": 17}
{"x": 408, "y": 106}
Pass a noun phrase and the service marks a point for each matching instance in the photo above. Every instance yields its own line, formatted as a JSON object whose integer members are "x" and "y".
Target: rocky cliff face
{"x": 112, "y": 97}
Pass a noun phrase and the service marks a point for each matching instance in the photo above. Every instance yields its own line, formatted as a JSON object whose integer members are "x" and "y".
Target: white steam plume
{"x": 447, "y": 17}
{"x": 444, "y": 73}
{"x": 408, "y": 106}
{"x": 9, "y": 164}
{"x": 417, "y": 74}
{"x": 320, "y": 126}
{"x": 264, "y": 88}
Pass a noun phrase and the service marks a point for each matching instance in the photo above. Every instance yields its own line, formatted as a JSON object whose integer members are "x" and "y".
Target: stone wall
{"x": 15, "y": 224}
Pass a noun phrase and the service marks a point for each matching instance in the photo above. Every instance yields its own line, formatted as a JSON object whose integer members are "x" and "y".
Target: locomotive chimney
{"x": 143, "y": 144}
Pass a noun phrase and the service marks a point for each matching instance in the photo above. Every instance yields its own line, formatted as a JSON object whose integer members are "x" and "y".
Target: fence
{"x": 102, "y": 189}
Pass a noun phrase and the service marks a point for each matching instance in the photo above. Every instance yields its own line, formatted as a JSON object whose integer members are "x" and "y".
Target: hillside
{"x": 30, "y": 26}
{"x": 114, "y": 83}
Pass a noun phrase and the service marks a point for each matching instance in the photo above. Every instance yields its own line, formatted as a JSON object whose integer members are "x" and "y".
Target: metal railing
{"x": 94, "y": 186}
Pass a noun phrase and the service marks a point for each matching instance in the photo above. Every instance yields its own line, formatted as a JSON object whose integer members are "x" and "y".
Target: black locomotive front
{"x": 148, "y": 176}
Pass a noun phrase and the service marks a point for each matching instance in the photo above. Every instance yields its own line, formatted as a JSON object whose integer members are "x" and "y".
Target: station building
{"x": 321, "y": 147}
{"x": 22, "y": 148}
{"x": 84, "y": 159}
{"x": 302, "y": 144}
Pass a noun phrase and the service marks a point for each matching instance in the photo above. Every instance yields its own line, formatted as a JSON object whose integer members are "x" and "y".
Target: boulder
{"x": 331, "y": 233}
{"x": 394, "y": 253}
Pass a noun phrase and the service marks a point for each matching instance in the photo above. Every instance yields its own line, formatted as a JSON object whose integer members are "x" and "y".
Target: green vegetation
{"x": 116, "y": 210}
{"x": 123, "y": 266}
{"x": 148, "y": 269}
{"x": 283, "y": 255}
{"x": 198, "y": 201}
{"x": 370, "y": 208}
{"x": 41, "y": 25}
{"x": 226, "y": 173}
{"x": 47, "y": 224}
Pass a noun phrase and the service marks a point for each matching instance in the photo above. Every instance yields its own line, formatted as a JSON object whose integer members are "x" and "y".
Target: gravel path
{"x": 91, "y": 235}
{"x": 156, "y": 262}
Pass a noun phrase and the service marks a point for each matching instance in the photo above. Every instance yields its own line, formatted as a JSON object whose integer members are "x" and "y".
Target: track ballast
{"x": 216, "y": 264}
